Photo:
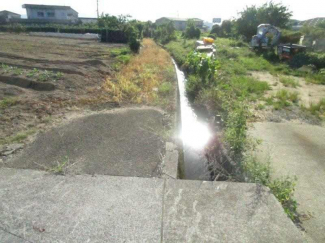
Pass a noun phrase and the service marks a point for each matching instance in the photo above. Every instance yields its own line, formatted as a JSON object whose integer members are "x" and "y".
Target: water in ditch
{"x": 194, "y": 134}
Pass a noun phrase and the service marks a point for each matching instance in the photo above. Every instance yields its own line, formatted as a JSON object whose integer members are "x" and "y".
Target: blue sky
{"x": 153, "y": 9}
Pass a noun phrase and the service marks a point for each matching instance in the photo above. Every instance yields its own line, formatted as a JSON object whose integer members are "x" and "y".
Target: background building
{"x": 6, "y": 16}
{"x": 50, "y": 12}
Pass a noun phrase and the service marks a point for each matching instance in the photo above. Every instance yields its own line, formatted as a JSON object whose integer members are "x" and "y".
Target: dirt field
{"x": 43, "y": 78}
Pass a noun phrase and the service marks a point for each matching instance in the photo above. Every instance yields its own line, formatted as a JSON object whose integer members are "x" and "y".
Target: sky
{"x": 153, "y": 9}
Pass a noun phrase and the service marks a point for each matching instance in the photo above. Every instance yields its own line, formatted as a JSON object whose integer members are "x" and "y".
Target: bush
{"x": 134, "y": 45}
{"x": 302, "y": 59}
{"x": 193, "y": 87}
{"x": 288, "y": 36}
{"x": 191, "y": 31}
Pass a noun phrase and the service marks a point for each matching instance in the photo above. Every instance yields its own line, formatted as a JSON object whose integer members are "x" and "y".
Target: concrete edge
{"x": 170, "y": 162}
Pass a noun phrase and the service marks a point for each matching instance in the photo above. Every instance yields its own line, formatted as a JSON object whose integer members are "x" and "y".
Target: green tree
{"x": 269, "y": 13}
{"x": 113, "y": 22}
{"x": 191, "y": 30}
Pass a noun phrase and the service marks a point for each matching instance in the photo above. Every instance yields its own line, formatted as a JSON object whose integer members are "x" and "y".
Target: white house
{"x": 50, "y": 12}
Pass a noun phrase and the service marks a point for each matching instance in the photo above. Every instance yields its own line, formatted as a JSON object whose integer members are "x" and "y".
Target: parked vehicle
{"x": 261, "y": 41}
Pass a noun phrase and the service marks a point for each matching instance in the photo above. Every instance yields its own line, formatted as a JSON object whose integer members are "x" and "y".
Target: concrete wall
{"x": 32, "y": 13}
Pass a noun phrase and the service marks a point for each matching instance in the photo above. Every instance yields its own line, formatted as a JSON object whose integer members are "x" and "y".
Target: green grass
{"x": 283, "y": 189}
{"x": 288, "y": 82}
{"x": 180, "y": 49}
{"x": 249, "y": 87}
{"x": 165, "y": 88}
{"x": 19, "y": 137}
{"x": 318, "y": 78}
{"x": 119, "y": 52}
{"x": 284, "y": 98}
{"x": 317, "y": 109}
{"x": 7, "y": 102}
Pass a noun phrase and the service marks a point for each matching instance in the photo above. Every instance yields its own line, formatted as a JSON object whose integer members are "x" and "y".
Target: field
{"x": 43, "y": 78}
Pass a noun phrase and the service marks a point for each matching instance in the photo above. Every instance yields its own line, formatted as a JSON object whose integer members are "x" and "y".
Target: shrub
{"x": 134, "y": 45}
{"x": 191, "y": 30}
{"x": 288, "y": 36}
{"x": 302, "y": 59}
{"x": 193, "y": 87}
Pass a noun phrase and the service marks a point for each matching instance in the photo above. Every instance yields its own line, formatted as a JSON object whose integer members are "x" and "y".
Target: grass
{"x": 144, "y": 75}
{"x": 180, "y": 49}
{"x": 8, "y": 102}
{"x": 283, "y": 188}
{"x": 19, "y": 137}
{"x": 39, "y": 75}
{"x": 288, "y": 82}
{"x": 317, "y": 109}
{"x": 284, "y": 98}
{"x": 60, "y": 167}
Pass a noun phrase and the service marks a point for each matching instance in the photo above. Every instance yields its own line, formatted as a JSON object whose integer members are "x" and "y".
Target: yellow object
{"x": 208, "y": 40}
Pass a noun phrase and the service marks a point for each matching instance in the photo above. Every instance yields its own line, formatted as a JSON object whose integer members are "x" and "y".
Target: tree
{"x": 113, "y": 22}
{"x": 191, "y": 30}
{"x": 223, "y": 30}
{"x": 274, "y": 14}
{"x": 269, "y": 13}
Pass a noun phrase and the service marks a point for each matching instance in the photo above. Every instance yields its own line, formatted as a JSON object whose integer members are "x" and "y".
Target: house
{"x": 7, "y": 16}
{"x": 50, "y": 12}
{"x": 179, "y": 23}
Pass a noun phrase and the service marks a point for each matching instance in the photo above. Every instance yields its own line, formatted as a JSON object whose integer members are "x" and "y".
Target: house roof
{"x": 5, "y": 11}
{"x": 181, "y": 19}
{"x": 57, "y": 7}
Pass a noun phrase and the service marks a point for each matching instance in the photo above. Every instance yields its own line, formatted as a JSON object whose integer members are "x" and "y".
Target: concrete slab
{"x": 224, "y": 212}
{"x": 122, "y": 142}
{"x": 170, "y": 162}
{"x": 10, "y": 238}
{"x": 40, "y": 207}
{"x": 298, "y": 150}
{"x": 37, "y": 206}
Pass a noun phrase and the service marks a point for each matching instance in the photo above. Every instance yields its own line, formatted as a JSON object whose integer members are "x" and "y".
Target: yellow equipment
{"x": 208, "y": 41}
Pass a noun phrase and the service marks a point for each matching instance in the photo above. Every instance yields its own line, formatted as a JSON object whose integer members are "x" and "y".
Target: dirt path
{"x": 299, "y": 150}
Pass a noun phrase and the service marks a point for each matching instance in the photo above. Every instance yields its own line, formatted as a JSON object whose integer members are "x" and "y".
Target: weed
{"x": 125, "y": 59}
{"x": 165, "y": 88}
{"x": 283, "y": 189}
{"x": 285, "y": 99}
{"x": 8, "y": 102}
{"x": 32, "y": 73}
{"x": 19, "y": 137}
{"x": 61, "y": 166}
{"x": 317, "y": 109}
{"x": 136, "y": 81}
{"x": 5, "y": 68}
{"x": 119, "y": 52}
{"x": 289, "y": 82}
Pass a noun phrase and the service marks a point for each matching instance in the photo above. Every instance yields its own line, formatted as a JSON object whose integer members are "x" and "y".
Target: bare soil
{"x": 308, "y": 93}
{"x": 47, "y": 77}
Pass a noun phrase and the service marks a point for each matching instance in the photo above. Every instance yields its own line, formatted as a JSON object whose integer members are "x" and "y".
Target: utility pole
{"x": 97, "y": 9}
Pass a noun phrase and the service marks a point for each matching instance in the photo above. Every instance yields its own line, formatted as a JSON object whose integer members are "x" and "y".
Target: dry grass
{"x": 139, "y": 80}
